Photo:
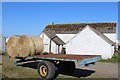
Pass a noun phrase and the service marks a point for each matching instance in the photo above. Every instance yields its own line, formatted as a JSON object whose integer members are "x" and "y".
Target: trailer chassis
{"x": 49, "y": 68}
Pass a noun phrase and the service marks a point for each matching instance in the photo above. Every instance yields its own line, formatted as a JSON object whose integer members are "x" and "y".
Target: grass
{"x": 2, "y": 53}
{"x": 114, "y": 59}
{"x": 12, "y": 71}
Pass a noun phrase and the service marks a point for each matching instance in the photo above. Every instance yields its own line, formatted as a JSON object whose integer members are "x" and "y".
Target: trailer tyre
{"x": 46, "y": 70}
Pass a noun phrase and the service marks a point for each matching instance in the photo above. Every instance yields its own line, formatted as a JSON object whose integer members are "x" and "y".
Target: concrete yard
{"x": 102, "y": 70}
{"x": 99, "y": 70}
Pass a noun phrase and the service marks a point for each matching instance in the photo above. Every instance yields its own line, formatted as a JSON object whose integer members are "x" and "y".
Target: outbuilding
{"x": 2, "y": 43}
{"x": 90, "y": 41}
{"x": 74, "y": 37}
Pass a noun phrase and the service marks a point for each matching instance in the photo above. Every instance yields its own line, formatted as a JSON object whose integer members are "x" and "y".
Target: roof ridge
{"x": 83, "y": 23}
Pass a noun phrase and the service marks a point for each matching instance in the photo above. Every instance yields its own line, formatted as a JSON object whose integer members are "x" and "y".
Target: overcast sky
{"x": 31, "y": 18}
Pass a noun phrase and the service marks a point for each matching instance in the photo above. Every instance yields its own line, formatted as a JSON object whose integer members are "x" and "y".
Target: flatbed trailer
{"x": 50, "y": 65}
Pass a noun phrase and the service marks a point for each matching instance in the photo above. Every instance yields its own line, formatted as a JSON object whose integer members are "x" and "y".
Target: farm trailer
{"x": 50, "y": 65}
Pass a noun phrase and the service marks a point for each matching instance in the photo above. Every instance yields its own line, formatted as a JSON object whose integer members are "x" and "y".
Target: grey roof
{"x": 102, "y": 36}
{"x": 74, "y": 28}
{"x": 55, "y": 38}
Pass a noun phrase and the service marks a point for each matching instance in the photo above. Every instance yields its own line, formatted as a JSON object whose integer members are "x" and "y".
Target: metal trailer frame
{"x": 48, "y": 67}
{"x": 81, "y": 62}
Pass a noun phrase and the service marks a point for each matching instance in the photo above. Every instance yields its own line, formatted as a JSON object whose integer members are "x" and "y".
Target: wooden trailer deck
{"x": 66, "y": 56}
{"x": 82, "y": 59}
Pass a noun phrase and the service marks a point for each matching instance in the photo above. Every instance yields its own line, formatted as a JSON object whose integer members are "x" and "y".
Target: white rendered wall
{"x": 111, "y": 36}
{"x": 65, "y": 37}
{"x": 46, "y": 41}
{"x": 88, "y": 42}
{"x": 2, "y": 43}
{"x": 53, "y": 47}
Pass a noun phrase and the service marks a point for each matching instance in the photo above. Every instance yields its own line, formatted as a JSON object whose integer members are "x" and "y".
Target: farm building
{"x": 60, "y": 36}
{"x": 2, "y": 43}
{"x": 90, "y": 42}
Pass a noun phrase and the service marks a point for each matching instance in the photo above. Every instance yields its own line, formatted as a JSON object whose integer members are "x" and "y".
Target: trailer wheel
{"x": 46, "y": 70}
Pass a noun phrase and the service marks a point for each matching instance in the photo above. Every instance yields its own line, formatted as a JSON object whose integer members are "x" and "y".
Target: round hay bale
{"x": 11, "y": 46}
{"x": 25, "y": 46}
{"x": 38, "y": 44}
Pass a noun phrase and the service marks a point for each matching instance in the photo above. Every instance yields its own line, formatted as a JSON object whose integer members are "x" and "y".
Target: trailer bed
{"x": 82, "y": 59}
{"x": 65, "y": 56}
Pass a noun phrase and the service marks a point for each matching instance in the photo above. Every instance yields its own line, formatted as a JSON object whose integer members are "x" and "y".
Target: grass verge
{"x": 114, "y": 59}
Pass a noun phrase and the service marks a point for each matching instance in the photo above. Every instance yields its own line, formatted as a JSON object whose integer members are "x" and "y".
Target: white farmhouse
{"x": 99, "y": 38}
